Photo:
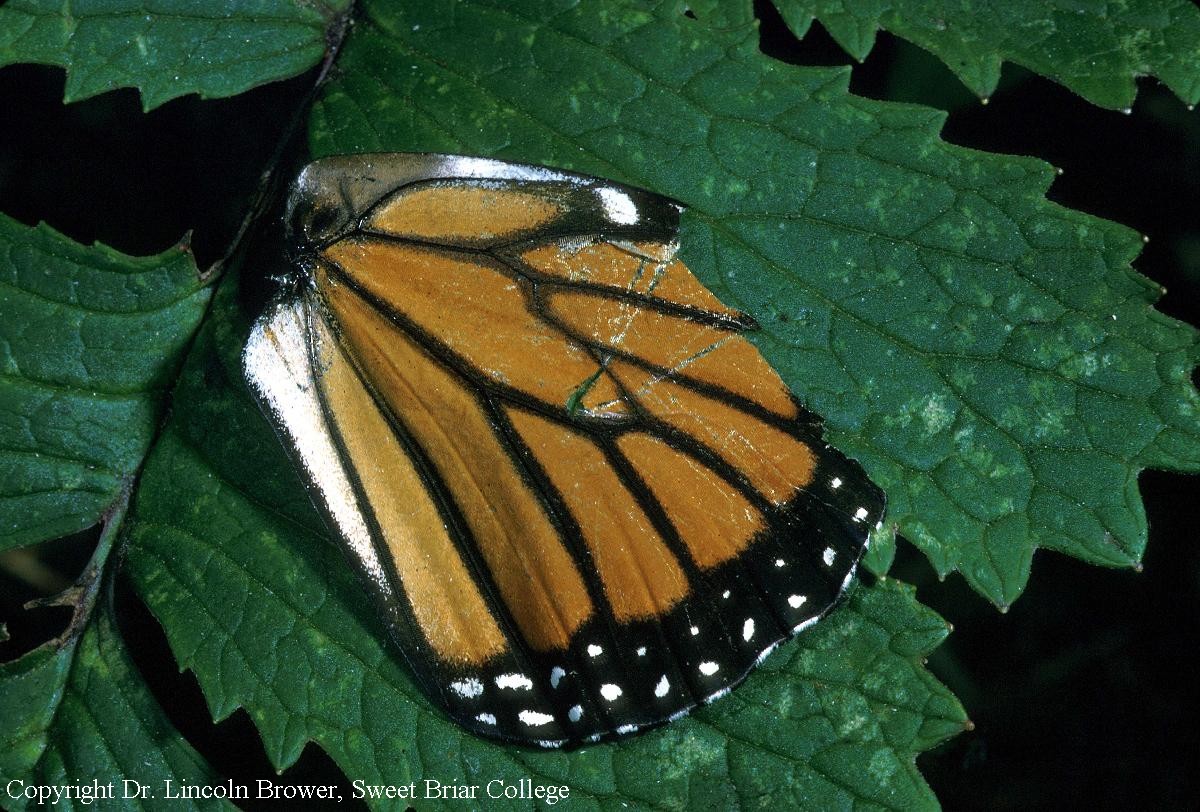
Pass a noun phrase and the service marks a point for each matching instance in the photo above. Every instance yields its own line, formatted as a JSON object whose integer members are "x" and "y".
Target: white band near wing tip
{"x": 464, "y": 166}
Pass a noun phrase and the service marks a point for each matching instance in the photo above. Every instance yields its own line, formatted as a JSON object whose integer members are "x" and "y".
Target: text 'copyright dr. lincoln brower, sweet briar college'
{"x": 85, "y": 793}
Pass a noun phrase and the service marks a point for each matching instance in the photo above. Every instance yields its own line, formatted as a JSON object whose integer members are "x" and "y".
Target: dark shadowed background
{"x": 1084, "y": 694}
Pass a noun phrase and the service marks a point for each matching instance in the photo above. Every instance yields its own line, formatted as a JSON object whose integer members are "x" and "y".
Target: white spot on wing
{"x": 802, "y": 626}
{"x": 765, "y": 653}
{"x": 468, "y": 688}
{"x": 779, "y": 562}
{"x": 663, "y": 686}
{"x": 594, "y": 650}
{"x": 796, "y": 601}
{"x": 486, "y": 718}
{"x": 849, "y": 577}
{"x": 619, "y": 207}
{"x": 556, "y": 675}
{"x": 695, "y": 631}
{"x": 534, "y": 718}
{"x": 514, "y": 681}
{"x": 610, "y": 691}
{"x": 575, "y": 713}
{"x": 713, "y": 697}
{"x": 828, "y": 556}
{"x": 835, "y": 483}
{"x": 748, "y": 629}
{"x": 708, "y": 668}
{"x": 860, "y": 514}
{"x": 626, "y": 729}
{"x": 641, "y": 652}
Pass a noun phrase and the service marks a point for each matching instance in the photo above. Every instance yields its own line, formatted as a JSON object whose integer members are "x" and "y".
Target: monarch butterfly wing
{"x": 768, "y": 520}
{"x": 584, "y": 503}
{"x": 374, "y": 490}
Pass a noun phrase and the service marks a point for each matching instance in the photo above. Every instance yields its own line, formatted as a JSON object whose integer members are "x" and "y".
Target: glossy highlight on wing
{"x": 582, "y": 500}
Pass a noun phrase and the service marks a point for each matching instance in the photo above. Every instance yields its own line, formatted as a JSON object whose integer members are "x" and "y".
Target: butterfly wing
{"x": 583, "y": 501}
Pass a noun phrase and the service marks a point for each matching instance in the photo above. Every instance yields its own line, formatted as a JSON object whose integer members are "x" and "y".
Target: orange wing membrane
{"x": 583, "y": 502}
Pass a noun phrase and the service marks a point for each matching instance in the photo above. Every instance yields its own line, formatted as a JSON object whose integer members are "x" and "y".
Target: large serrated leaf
{"x": 170, "y": 48}
{"x": 1096, "y": 49}
{"x": 89, "y": 342}
{"x": 258, "y": 601}
{"x": 989, "y": 357}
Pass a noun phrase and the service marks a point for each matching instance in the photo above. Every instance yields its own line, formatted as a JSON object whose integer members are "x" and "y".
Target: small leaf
{"x": 881, "y": 551}
{"x": 31, "y": 689}
{"x": 257, "y": 599}
{"x": 80, "y": 713}
{"x": 89, "y": 341}
{"x": 181, "y": 47}
{"x": 1095, "y": 49}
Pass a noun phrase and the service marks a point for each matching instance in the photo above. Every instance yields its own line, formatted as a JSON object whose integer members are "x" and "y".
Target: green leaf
{"x": 1096, "y": 49}
{"x": 89, "y": 342}
{"x": 78, "y": 713}
{"x": 76, "y": 716}
{"x": 169, "y": 48}
{"x": 881, "y": 551}
{"x": 31, "y": 688}
{"x": 989, "y": 357}
{"x": 258, "y": 601}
